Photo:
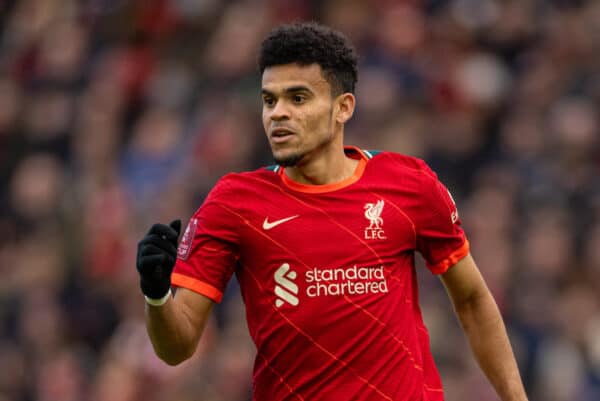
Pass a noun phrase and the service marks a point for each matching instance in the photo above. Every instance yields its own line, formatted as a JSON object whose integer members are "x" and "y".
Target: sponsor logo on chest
{"x": 285, "y": 287}
{"x": 326, "y": 282}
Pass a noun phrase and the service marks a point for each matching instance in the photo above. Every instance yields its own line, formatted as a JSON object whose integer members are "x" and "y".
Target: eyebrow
{"x": 291, "y": 89}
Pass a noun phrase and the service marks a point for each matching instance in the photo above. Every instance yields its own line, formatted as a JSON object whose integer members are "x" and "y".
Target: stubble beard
{"x": 288, "y": 161}
{"x": 294, "y": 159}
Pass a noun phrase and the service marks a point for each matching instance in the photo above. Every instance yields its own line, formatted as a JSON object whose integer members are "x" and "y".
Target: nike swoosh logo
{"x": 269, "y": 225}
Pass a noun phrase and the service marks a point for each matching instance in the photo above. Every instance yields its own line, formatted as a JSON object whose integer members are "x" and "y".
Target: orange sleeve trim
{"x": 451, "y": 260}
{"x": 196, "y": 285}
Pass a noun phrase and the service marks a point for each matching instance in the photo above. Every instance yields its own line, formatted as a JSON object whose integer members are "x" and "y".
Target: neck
{"x": 326, "y": 166}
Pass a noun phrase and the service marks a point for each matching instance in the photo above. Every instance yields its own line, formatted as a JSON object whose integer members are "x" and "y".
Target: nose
{"x": 279, "y": 112}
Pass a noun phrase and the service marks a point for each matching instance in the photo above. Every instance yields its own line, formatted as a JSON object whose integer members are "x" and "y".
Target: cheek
{"x": 320, "y": 119}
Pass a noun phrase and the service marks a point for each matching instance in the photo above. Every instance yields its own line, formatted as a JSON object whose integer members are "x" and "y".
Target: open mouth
{"x": 281, "y": 135}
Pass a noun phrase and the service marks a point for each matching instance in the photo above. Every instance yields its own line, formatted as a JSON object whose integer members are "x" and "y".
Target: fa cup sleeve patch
{"x": 185, "y": 245}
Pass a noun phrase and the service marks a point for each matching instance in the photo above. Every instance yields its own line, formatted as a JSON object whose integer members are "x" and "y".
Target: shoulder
{"x": 243, "y": 182}
{"x": 401, "y": 164}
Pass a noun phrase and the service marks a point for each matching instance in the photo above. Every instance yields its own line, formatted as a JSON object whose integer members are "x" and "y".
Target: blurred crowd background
{"x": 116, "y": 114}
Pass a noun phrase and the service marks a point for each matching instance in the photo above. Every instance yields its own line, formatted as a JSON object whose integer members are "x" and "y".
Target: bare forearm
{"x": 170, "y": 332}
{"x": 487, "y": 336}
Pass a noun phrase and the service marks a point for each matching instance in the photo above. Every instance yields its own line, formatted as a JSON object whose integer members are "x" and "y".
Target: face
{"x": 299, "y": 112}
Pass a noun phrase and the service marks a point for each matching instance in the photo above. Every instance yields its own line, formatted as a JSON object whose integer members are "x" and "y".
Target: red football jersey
{"x": 327, "y": 275}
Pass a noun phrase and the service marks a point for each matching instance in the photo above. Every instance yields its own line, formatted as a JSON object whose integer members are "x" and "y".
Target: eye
{"x": 268, "y": 101}
{"x": 298, "y": 98}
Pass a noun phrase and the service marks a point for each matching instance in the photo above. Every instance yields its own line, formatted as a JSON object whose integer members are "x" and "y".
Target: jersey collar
{"x": 352, "y": 152}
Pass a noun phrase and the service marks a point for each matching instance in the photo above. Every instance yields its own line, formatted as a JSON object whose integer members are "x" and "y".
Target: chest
{"x": 348, "y": 227}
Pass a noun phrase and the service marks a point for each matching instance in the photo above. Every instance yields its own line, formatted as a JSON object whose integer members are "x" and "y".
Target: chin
{"x": 290, "y": 160}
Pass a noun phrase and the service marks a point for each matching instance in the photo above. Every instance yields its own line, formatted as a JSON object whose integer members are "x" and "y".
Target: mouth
{"x": 281, "y": 135}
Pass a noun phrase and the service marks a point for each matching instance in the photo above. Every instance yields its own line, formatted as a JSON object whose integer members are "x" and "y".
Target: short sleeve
{"x": 208, "y": 250}
{"x": 440, "y": 237}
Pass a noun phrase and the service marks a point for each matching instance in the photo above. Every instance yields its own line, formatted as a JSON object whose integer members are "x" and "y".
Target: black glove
{"x": 156, "y": 256}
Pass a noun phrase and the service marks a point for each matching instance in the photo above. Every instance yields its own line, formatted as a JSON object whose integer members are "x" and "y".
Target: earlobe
{"x": 346, "y": 102}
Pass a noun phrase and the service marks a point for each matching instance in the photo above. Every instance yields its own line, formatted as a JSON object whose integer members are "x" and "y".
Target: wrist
{"x": 158, "y": 301}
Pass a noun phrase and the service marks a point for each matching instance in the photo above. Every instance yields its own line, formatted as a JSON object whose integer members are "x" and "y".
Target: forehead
{"x": 280, "y": 77}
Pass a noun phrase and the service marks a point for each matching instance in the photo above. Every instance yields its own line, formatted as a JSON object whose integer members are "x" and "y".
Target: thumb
{"x": 176, "y": 225}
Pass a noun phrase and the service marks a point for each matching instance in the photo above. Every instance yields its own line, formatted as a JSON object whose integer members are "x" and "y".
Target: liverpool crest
{"x": 373, "y": 213}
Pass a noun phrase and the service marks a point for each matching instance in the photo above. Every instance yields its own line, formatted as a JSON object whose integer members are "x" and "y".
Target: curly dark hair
{"x": 312, "y": 43}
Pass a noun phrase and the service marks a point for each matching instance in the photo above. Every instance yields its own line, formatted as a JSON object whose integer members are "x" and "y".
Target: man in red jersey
{"x": 323, "y": 245}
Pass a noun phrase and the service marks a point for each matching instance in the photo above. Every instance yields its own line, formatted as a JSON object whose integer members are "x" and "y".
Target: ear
{"x": 345, "y": 107}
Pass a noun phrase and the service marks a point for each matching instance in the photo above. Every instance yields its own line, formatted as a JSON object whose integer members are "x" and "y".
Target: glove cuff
{"x": 160, "y": 301}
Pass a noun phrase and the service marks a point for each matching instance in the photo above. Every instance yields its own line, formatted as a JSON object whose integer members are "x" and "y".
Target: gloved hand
{"x": 156, "y": 256}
